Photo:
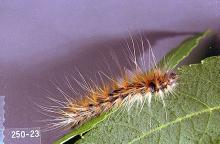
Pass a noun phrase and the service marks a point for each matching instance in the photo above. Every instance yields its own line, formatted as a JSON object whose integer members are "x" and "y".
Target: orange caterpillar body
{"x": 137, "y": 88}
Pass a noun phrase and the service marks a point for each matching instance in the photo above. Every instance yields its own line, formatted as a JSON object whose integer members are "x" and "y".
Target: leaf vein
{"x": 175, "y": 121}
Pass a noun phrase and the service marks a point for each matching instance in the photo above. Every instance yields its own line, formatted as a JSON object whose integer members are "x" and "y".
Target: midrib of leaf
{"x": 188, "y": 116}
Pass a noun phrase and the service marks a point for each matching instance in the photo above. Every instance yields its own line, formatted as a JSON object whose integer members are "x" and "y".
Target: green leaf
{"x": 193, "y": 113}
{"x": 84, "y": 128}
{"x": 174, "y": 57}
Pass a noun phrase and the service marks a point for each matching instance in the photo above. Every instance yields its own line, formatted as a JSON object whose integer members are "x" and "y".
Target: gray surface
{"x": 2, "y": 119}
{"x": 44, "y": 40}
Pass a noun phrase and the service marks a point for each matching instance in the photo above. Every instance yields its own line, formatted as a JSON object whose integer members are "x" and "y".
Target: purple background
{"x": 44, "y": 40}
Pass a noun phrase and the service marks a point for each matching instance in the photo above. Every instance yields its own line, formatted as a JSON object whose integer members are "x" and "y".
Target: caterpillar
{"x": 138, "y": 86}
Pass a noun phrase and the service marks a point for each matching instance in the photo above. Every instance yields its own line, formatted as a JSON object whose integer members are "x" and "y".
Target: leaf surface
{"x": 191, "y": 115}
{"x": 176, "y": 55}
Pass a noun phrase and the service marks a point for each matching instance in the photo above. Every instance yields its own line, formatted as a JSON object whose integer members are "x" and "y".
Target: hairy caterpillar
{"x": 138, "y": 86}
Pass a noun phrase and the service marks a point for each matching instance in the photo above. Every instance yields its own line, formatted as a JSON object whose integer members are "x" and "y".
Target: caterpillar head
{"x": 172, "y": 78}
